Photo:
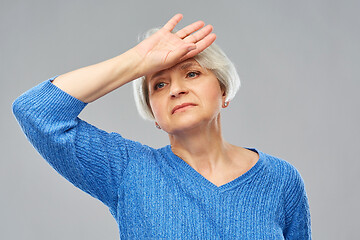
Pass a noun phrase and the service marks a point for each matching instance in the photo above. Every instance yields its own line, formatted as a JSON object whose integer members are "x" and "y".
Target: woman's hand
{"x": 164, "y": 49}
{"x": 161, "y": 50}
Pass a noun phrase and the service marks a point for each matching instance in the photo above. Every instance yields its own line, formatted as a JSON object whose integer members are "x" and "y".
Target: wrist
{"x": 137, "y": 62}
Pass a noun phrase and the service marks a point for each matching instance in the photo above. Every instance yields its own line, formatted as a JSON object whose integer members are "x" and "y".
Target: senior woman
{"x": 198, "y": 187}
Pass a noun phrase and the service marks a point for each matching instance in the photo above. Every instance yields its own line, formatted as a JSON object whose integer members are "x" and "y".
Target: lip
{"x": 177, "y": 107}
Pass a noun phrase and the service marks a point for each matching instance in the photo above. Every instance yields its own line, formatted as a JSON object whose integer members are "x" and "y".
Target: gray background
{"x": 299, "y": 66}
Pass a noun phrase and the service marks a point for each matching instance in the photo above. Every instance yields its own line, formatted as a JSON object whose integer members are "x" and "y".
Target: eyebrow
{"x": 186, "y": 65}
{"x": 183, "y": 66}
{"x": 157, "y": 74}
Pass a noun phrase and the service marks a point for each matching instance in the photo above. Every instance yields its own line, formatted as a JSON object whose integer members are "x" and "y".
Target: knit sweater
{"x": 154, "y": 194}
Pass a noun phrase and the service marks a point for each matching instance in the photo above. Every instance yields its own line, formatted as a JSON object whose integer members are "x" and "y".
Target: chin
{"x": 187, "y": 123}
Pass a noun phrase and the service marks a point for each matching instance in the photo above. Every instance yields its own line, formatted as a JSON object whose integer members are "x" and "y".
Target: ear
{"x": 225, "y": 104}
{"x": 223, "y": 96}
{"x": 223, "y": 91}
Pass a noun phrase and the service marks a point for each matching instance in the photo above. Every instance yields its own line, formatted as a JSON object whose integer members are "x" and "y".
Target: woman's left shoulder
{"x": 280, "y": 167}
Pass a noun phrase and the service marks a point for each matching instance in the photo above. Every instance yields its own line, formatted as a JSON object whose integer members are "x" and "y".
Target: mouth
{"x": 181, "y": 107}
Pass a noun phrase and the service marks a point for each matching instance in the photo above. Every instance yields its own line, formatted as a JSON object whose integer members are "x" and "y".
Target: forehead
{"x": 180, "y": 66}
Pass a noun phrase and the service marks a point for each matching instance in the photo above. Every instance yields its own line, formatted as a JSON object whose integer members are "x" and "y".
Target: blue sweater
{"x": 152, "y": 193}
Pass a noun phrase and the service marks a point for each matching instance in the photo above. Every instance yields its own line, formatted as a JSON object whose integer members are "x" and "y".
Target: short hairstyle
{"x": 212, "y": 58}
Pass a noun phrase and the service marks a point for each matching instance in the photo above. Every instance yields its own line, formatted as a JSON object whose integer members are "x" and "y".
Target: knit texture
{"x": 152, "y": 193}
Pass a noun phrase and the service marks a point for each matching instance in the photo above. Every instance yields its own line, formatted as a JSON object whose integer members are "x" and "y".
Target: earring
{"x": 226, "y": 104}
{"x": 157, "y": 125}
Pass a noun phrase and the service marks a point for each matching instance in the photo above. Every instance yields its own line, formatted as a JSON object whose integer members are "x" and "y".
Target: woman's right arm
{"x": 92, "y": 159}
{"x": 161, "y": 50}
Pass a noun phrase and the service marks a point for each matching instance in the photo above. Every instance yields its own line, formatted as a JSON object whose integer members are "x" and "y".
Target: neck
{"x": 202, "y": 148}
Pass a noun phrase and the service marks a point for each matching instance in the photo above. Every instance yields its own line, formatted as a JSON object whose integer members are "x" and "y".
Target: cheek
{"x": 157, "y": 108}
{"x": 213, "y": 94}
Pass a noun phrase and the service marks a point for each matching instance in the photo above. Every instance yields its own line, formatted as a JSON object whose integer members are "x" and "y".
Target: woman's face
{"x": 184, "y": 97}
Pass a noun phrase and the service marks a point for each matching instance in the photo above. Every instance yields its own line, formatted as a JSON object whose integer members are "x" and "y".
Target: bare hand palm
{"x": 164, "y": 49}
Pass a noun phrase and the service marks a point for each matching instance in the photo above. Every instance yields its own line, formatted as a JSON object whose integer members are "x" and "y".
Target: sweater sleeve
{"x": 297, "y": 213}
{"x": 91, "y": 159}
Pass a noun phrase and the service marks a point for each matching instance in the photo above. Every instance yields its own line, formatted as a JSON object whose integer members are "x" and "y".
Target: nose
{"x": 177, "y": 88}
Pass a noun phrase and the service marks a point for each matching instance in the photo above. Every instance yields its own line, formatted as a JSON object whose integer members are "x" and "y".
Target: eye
{"x": 159, "y": 85}
{"x": 192, "y": 74}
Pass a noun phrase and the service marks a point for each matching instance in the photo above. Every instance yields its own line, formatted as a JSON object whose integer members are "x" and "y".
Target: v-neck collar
{"x": 205, "y": 182}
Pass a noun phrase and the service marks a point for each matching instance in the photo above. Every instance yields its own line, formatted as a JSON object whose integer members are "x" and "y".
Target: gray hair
{"x": 212, "y": 58}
